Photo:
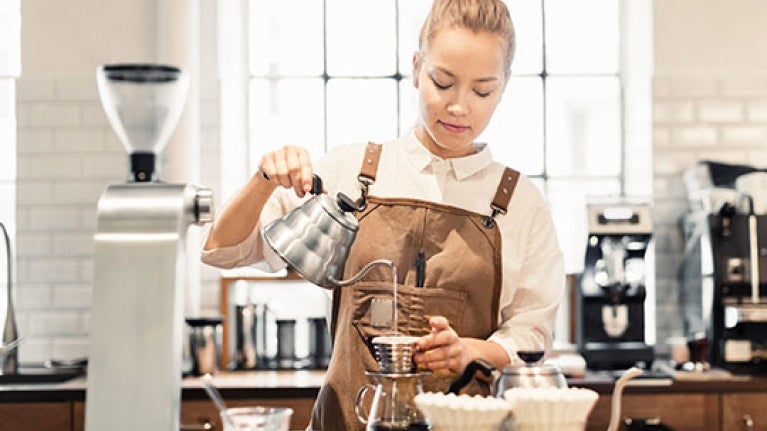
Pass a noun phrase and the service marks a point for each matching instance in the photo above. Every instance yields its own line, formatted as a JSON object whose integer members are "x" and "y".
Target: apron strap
{"x": 369, "y": 167}
{"x": 505, "y": 189}
{"x": 503, "y": 194}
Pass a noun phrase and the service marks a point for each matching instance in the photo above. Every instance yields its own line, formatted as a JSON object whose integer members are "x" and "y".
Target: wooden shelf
{"x": 225, "y": 307}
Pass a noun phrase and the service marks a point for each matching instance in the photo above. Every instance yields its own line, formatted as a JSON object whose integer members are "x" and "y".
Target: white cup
{"x": 754, "y": 184}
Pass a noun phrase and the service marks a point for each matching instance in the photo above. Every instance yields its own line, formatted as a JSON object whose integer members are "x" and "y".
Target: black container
{"x": 319, "y": 342}
{"x": 205, "y": 335}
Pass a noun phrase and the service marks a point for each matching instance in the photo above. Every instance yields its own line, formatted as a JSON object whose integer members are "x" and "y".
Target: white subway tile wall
{"x": 67, "y": 153}
{"x": 723, "y": 118}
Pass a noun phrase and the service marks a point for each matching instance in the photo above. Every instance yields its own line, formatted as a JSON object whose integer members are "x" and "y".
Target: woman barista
{"x": 493, "y": 271}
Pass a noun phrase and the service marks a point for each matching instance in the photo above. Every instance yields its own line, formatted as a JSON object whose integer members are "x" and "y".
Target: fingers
{"x": 447, "y": 356}
{"x": 438, "y": 323}
{"x": 306, "y": 170}
{"x": 440, "y": 349}
{"x": 441, "y": 334}
{"x": 294, "y": 172}
{"x": 290, "y": 167}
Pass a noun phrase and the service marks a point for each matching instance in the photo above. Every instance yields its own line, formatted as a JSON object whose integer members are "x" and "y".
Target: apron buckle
{"x": 489, "y": 221}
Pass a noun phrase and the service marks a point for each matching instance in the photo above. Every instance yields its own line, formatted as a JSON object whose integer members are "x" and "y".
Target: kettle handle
{"x": 478, "y": 364}
{"x": 317, "y": 186}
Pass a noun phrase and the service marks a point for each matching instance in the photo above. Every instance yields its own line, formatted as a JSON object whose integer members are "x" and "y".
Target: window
{"x": 340, "y": 71}
{"x": 10, "y": 66}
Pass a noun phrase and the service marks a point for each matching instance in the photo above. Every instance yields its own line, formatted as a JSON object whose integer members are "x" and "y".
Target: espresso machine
{"x": 611, "y": 292}
{"x": 724, "y": 271}
{"x": 136, "y": 335}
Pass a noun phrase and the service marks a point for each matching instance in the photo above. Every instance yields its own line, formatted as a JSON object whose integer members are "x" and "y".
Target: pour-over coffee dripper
{"x": 143, "y": 103}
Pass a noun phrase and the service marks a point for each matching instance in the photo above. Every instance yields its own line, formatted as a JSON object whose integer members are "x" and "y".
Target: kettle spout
{"x": 618, "y": 394}
{"x": 365, "y": 269}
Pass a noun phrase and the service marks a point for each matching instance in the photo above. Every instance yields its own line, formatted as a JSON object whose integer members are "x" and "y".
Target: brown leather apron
{"x": 462, "y": 252}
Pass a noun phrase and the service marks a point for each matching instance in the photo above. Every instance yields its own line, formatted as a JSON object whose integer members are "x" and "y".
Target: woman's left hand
{"x": 443, "y": 348}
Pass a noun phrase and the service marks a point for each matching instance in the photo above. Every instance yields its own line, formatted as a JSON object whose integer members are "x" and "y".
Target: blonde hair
{"x": 477, "y": 15}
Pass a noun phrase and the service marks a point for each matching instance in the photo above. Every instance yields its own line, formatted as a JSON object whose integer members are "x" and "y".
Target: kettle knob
{"x": 346, "y": 204}
{"x": 530, "y": 356}
{"x": 317, "y": 186}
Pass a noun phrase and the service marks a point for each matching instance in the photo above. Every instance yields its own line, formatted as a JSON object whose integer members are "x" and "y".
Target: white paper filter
{"x": 564, "y": 409}
{"x": 462, "y": 412}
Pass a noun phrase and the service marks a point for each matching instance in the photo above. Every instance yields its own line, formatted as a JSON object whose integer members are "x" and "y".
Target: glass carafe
{"x": 393, "y": 407}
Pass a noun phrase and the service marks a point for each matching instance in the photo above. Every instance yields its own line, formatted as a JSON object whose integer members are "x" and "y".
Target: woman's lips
{"x": 454, "y": 128}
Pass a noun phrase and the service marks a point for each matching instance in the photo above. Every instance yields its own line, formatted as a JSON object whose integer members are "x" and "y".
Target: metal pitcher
{"x": 315, "y": 237}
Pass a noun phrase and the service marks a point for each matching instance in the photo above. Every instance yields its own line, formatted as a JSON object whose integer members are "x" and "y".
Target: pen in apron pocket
{"x": 420, "y": 269}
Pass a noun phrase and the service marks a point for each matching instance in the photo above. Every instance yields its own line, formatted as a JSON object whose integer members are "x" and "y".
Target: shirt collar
{"x": 463, "y": 167}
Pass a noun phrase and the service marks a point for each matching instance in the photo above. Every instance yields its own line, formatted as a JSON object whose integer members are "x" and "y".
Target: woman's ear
{"x": 505, "y": 84}
{"x": 416, "y": 68}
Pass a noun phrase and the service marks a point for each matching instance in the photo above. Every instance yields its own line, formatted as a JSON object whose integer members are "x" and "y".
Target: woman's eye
{"x": 481, "y": 94}
{"x": 440, "y": 86}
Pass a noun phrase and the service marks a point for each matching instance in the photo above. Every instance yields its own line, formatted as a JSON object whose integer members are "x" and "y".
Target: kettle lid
{"x": 531, "y": 366}
{"x": 333, "y": 210}
{"x": 527, "y": 370}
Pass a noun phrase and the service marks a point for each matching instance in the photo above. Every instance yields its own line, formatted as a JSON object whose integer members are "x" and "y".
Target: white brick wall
{"x": 67, "y": 153}
{"x": 719, "y": 117}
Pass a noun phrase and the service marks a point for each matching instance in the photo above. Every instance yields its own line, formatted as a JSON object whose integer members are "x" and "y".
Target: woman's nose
{"x": 458, "y": 104}
{"x": 457, "y": 107}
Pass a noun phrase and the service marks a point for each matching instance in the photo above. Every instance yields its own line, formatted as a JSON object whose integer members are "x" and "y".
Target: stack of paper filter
{"x": 450, "y": 412}
{"x": 545, "y": 409}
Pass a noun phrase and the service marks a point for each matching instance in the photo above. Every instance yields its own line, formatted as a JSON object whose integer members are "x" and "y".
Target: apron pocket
{"x": 374, "y": 305}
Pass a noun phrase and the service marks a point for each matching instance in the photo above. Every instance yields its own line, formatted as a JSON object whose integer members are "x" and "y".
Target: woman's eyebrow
{"x": 452, "y": 75}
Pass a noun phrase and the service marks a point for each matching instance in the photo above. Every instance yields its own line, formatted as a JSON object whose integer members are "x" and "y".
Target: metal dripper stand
{"x": 136, "y": 337}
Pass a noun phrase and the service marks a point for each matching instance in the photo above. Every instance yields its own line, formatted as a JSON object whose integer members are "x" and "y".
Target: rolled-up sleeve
{"x": 334, "y": 168}
{"x": 533, "y": 285}
{"x": 253, "y": 249}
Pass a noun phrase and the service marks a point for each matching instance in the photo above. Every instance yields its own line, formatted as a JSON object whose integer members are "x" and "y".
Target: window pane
{"x": 361, "y": 38}
{"x": 582, "y": 36}
{"x": 411, "y": 16}
{"x": 568, "y": 199}
{"x": 276, "y": 47}
{"x": 286, "y": 111}
{"x": 361, "y": 110}
{"x": 408, "y": 106}
{"x": 583, "y": 126}
{"x": 515, "y": 133}
{"x": 528, "y": 27}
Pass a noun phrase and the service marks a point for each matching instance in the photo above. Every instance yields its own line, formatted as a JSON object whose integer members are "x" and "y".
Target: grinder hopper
{"x": 143, "y": 103}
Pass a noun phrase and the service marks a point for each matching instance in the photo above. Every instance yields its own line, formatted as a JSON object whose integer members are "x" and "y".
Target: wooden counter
{"x": 61, "y": 406}
{"x": 682, "y": 405}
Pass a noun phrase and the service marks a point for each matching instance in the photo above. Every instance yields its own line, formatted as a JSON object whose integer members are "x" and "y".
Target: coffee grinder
{"x": 134, "y": 368}
{"x": 610, "y": 295}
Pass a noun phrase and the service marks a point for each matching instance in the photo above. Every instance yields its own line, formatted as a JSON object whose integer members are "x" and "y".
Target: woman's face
{"x": 460, "y": 78}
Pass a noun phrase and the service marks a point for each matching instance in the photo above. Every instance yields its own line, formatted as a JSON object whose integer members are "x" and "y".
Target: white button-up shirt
{"x": 533, "y": 267}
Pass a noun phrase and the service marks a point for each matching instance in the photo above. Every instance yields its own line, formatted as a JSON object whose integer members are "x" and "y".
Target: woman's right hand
{"x": 290, "y": 167}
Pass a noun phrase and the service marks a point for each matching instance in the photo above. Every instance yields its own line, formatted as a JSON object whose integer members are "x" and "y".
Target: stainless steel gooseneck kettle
{"x": 315, "y": 237}
{"x": 530, "y": 375}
